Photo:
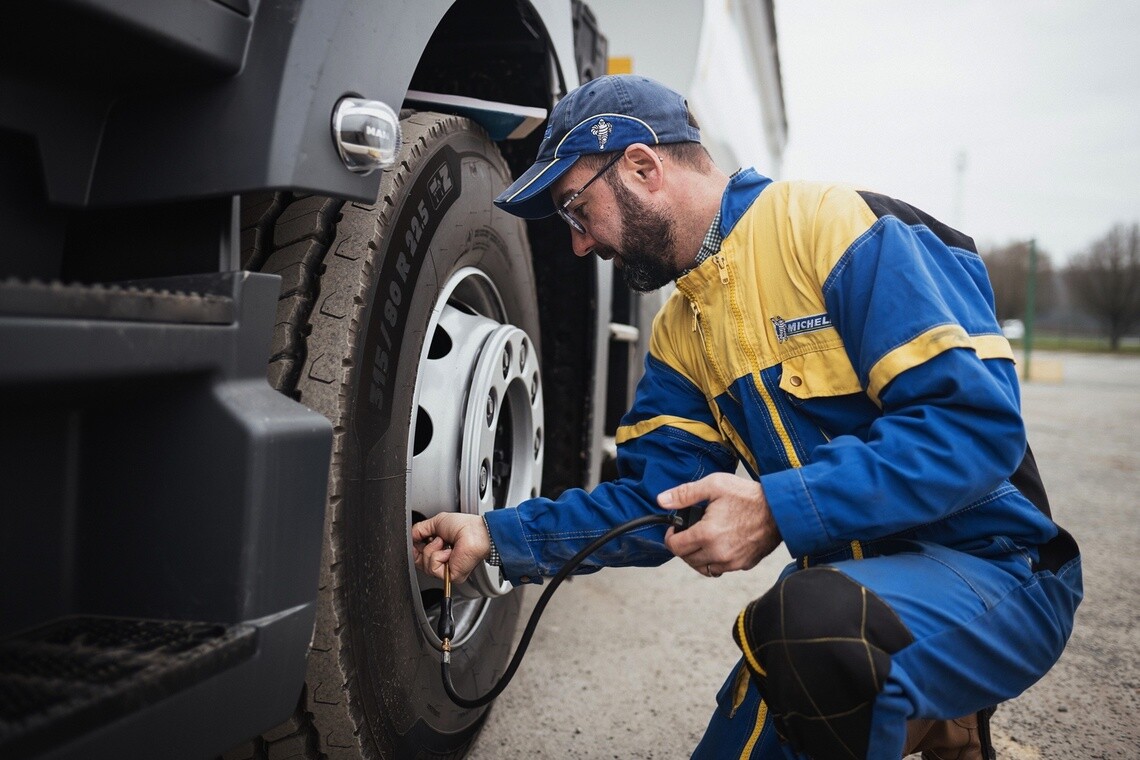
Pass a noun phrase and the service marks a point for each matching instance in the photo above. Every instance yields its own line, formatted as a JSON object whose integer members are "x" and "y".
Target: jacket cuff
{"x": 518, "y": 564}
{"x": 794, "y": 510}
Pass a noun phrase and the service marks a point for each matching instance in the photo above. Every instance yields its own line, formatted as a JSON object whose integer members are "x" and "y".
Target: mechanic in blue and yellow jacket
{"x": 843, "y": 347}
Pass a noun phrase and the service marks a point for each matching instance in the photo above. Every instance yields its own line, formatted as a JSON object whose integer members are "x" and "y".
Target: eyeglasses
{"x": 564, "y": 210}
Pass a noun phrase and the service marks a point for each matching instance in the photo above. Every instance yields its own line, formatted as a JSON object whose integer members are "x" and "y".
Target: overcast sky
{"x": 1041, "y": 100}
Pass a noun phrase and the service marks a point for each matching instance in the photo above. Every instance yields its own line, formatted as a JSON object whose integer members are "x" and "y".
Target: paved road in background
{"x": 626, "y": 662}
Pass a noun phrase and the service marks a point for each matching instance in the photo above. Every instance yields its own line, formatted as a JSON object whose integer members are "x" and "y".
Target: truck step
{"x": 140, "y": 301}
{"x": 65, "y": 678}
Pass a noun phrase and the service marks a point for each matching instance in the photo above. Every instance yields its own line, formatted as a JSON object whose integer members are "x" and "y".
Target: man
{"x": 843, "y": 346}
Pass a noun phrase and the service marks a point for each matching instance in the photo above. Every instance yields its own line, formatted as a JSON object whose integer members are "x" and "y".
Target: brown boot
{"x": 957, "y": 739}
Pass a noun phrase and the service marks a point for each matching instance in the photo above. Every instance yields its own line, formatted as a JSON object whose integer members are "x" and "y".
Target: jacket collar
{"x": 742, "y": 190}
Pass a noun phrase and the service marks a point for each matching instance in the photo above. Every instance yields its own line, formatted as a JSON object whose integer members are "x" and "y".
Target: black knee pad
{"x": 820, "y": 646}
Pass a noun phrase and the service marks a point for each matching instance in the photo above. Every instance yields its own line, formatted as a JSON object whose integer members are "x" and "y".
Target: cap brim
{"x": 529, "y": 195}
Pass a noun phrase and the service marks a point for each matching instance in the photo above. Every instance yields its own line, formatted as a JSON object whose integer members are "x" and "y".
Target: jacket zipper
{"x": 742, "y": 450}
{"x": 722, "y": 266}
{"x": 769, "y": 403}
{"x": 695, "y": 308}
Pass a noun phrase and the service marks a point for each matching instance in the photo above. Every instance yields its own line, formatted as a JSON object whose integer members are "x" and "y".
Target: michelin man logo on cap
{"x": 605, "y": 114}
{"x": 602, "y": 130}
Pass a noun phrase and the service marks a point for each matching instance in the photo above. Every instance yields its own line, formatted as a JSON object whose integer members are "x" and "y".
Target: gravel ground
{"x": 626, "y": 663}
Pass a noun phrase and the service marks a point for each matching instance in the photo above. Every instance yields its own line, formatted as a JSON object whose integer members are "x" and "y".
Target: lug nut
{"x": 522, "y": 356}
{"x": 490, "y": 409}
{"x": 483, "y": 479}
{"x": 506, "y": 361}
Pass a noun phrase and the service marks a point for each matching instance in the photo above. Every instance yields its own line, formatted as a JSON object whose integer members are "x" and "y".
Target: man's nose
{"x": 583, "y": 242}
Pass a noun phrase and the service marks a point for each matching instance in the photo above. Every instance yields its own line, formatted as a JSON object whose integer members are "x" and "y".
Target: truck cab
{"x": 257, "y": 316}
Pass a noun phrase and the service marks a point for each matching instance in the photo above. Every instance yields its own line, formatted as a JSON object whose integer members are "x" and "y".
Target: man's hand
{"x": 736, "y": 531}
{"x": 450, "y": 538}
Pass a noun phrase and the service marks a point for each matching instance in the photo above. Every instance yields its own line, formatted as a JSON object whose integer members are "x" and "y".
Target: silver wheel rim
{"x": 476, "y": 438}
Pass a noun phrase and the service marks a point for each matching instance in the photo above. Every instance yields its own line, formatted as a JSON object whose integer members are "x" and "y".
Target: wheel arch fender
{"x": 384, "y": 49}
{"x": 269, "y": 125}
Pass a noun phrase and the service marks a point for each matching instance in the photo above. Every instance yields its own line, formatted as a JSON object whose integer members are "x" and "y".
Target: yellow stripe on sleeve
{"x": 992, "y": 347}
{"x": 928, "y": 345}
{"x": 699, "y": 429}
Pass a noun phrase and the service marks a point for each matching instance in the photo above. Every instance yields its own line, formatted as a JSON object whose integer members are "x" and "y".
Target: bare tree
{"x": 1105, "y": 280}
{"x": 1008, "y": 268}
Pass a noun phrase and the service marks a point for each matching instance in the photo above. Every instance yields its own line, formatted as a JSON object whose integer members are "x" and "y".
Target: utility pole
{"x": 1030, "y": 305}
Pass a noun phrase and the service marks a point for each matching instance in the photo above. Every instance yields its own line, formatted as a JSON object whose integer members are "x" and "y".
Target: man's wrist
{"x": 494, "y": 559}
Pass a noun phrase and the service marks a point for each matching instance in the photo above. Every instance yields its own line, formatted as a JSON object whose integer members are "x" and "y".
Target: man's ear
{"x": 643, "y": 166}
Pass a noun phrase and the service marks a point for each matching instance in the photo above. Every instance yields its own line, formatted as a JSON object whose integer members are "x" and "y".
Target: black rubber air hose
{"x": 446, "y": 624}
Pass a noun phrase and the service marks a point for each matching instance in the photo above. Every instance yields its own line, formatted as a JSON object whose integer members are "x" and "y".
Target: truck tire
{"x": 412, "y": 324}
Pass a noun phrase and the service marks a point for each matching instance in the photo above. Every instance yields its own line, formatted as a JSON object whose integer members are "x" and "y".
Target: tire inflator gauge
{"x": 680, "y": 520}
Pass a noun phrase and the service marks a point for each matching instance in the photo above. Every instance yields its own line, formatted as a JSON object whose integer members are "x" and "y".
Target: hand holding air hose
{"x": 742, "y": 532}
{"x": 446, "y": 628}
{"x": 453, "y": 540}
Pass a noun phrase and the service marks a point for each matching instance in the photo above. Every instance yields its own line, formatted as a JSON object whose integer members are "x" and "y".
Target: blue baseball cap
{"x": 606, "y": 114}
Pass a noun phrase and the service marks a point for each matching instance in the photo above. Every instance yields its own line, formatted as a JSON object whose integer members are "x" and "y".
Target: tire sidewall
{"x": 444, "y": 223}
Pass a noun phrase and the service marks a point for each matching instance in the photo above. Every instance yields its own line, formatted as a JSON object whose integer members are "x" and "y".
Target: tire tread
{"x": 325, "y": 251}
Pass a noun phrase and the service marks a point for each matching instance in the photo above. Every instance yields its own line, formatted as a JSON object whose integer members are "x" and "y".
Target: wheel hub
{"x": 478, "y": 439}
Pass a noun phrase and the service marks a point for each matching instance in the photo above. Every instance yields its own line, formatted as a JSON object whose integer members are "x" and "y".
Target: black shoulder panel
{"x": 1027, "y": 479}
{"x": 1062, "y": 548}
{"x": 883, "y": 205}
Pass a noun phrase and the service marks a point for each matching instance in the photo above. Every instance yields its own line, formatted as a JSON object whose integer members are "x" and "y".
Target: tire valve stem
{"x": 446, "y": 627}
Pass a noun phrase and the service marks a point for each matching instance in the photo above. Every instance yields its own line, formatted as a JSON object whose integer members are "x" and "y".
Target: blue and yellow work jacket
{"x": 843, "y": 346}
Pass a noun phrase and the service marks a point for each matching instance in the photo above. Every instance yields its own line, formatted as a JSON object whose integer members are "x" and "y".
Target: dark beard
{"x": 647, "y": 243}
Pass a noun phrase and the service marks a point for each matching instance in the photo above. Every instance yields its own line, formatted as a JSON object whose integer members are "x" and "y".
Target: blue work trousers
{"x": 984, "y": 628}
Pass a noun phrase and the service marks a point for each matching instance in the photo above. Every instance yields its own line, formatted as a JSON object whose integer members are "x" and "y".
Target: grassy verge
{"x": 1080, "y": 343}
